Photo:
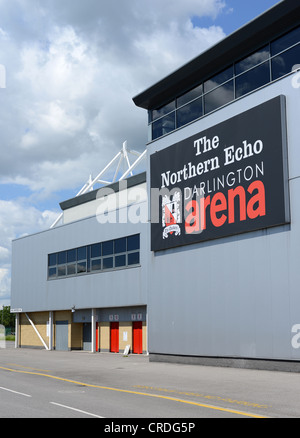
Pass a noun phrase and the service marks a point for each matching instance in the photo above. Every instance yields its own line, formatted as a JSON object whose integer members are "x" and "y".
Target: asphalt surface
{"x": 55, "y": 384}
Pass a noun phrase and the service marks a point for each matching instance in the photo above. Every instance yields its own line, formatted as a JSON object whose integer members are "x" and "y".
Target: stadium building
{"x": 212, "y": 277}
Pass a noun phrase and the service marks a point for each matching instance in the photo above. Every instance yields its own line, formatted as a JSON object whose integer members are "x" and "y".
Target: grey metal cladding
{"x": 31, "y": 291}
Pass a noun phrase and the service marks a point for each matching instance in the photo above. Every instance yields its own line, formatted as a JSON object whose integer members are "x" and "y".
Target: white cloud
{"x": 17, "y": 219}
{"x": 72, "y": 68}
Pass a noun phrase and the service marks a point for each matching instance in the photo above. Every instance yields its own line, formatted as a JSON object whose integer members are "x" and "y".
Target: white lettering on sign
{"x": 206, "y": 144}
{"x": 241, "y": 153}
{"x": 296, "y": 337}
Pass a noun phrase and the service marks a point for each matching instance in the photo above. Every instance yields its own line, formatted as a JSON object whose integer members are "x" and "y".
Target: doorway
{"x": 137, "y": 337}
{"x": 114, "y": 337}
{"x": 87, "y": 336}
{"x": 61, "y": 332}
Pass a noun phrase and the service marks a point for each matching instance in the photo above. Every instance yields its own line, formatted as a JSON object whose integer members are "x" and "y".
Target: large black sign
{"x": 229, "y": 179}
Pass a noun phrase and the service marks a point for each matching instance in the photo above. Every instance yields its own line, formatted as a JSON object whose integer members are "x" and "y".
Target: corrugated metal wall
{"x": 237, "y": 296}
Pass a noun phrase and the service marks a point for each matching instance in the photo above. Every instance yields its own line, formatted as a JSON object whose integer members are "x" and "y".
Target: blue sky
{"x": 237, "y": 13}
{"x": 67, "y": 106}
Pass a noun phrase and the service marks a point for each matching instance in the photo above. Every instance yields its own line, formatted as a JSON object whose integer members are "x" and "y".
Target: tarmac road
{"x": 55, "y": 384}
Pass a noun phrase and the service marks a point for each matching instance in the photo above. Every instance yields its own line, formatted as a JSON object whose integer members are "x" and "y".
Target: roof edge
{"x": 268, "y": 25}
{"x": 91, "y": 196}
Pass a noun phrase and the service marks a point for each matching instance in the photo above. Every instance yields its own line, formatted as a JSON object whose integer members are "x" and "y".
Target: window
{"x": 103, "y": 256}
{"x": 61, "y": 271}
{"x": 62, "y": 257}
{"x": 61, "y": 261}
{"x": 108, "y": 262}
{"x": 133, "y": 242}
{"x": 252, "y": 60}
{"x": 268, "y": 63}
{"x": 108, "y": 248}
{"x": 120, "y": 245}
{"x": 96, "y": 253}
{"x": 96, "y": 265}
{"x": 284, "y": 63}
{"x": 133, "y": 258}
{"x": 157, "y": 113}
{"x": 252, "y": 79}
{"x": 120, "y": 261}
{"x": 189, "y": 96}
{"x": 52, "y": 272}
{"x": 218, "y": 97}
{"x": 71, "y": 269}
{"x": 52, "y": 260}
{"x": 218, "y": 79}
{"x": 163, "y": 126}
{"x": 189, "y": 112}
{"x": 285, "y": 41}
{"x": 81, "y": 260}
{"x": 71, "y": 262}
{"x": 96, "y": 250}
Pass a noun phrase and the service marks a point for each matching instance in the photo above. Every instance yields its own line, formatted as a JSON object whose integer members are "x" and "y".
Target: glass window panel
{"x": 81, "y": 267}
{"x": 88, "y": 250}
{"x": 252, "y": 60}
{"x": 71, "y": 255}
{"x": 190, "y": 95}
{"x": 284, "y": 63}
{"x": 52, "y": 259}
{"x": 285, "y": 41}
{"x": 96, "y": 250}
{"x": 81, "y": 253}
{"x": 108, "y": 248}
{"x": 120, "y": 261}
{"x": 189, "y": 112}
{"x": 133, "y": 258}
{"x": 61, "y": 271}
{"x": 218, "y": 79}
{"x": 96, "y": 265}
{"x": 253, "y": 79}
{"x": 120, "y": 245}
{"x": 163, "y": 110}
{"x": 133, "y": 242}
{"x": 52, "y": 273}
{"x": 108, "y": 263}
{"x": 163, "y": 126}
{"x": 71, "y": 269}
{"x": 219, "y": 97}
{"x": 62, "y": 257}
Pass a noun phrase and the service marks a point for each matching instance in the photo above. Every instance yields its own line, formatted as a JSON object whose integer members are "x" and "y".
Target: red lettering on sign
{"x": 198, "y": 211}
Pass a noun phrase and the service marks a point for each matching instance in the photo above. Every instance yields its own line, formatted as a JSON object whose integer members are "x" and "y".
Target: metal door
{"x": 61, "y": 335}
{"x": 137, "y": 337}
{"x": 114, "y": 337}
{"x": 87, "y": 336}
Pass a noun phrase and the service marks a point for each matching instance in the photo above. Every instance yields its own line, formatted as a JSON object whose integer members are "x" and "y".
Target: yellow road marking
{"x": 210, "y": 397}
{"x": 231, "y": 411}
{"x": 29, "y": 368}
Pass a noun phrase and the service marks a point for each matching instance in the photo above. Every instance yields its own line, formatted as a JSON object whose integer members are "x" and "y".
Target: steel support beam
{"x": 37, "y": 332}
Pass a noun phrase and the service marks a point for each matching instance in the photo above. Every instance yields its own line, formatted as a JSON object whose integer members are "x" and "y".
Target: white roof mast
{"x": 119, "y": 159}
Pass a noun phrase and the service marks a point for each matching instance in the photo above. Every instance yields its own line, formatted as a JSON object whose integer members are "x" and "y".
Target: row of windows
{"x": 103, "y": 256}
{"x": 271, "y": 62}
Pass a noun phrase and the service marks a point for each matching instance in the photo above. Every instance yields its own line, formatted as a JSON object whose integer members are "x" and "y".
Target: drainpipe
{"x": 93, "y": 328}
{"x": 17, "y": 324}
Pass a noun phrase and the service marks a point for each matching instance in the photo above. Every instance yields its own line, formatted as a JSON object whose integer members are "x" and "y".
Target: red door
{"x": 114, "y": 337}
{"x": 137, "y": 337}
{"x": 97, "y": 337}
